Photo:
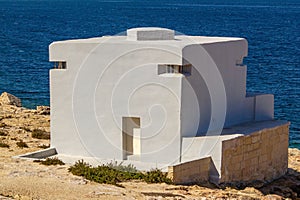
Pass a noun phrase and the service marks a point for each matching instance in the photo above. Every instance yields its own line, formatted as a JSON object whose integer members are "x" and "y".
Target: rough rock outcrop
{"x": 9, "y": 99}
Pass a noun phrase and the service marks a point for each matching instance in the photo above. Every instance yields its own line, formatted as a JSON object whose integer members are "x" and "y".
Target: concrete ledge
{"x": 191, "y": 172}
{"x": 38, "y": 154}
{"x": 251, "y": 127}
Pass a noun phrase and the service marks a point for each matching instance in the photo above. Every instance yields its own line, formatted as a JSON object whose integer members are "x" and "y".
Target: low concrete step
{"x": 134, "y": 157}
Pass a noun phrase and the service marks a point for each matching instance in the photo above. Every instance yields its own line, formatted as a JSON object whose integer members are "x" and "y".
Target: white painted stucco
{"x": 110, "y": 79}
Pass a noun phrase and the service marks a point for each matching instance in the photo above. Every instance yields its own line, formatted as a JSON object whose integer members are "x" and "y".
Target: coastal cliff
{"x": 26, "y": 130}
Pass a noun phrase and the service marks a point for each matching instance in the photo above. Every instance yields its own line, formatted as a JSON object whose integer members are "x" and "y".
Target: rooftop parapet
{"x": 150, "y": 33}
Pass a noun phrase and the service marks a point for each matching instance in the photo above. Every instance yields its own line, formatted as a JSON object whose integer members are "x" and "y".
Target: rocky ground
{"x": 24, "y": 179}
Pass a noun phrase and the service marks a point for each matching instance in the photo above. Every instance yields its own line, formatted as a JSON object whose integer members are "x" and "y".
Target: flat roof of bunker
{"x": 153, "y": 35}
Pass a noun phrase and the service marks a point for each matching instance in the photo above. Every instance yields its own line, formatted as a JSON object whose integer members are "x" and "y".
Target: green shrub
{"x": 22, "y": 144}
{"x": 4, "y": 145}
{"x": 40, "y": 134}
{"x": 121, "y": 167}
{"x": 103, "y": 174}
{"x": 79, "y": 168}
{"x": 114, "y": 173}
{"x": 50, "y": 161}
{"x": 156, "y": 176}
{"x": 100, "y": 174}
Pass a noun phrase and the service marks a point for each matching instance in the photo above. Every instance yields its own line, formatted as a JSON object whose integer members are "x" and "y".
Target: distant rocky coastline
{"x": 24, "y": 179}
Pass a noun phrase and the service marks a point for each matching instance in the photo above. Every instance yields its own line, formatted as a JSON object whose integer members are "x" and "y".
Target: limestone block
{"x": 255, "y": 138}
{"x": 264, "y": 156}
{"x": 237, "y": 159}
{"x": 254, "y": 161}
{"x": 247, "y": 140}
{"x": 190, "y": 172}
{"x": 256, "y": 145}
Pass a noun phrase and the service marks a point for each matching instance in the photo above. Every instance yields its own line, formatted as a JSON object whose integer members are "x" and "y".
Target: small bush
{"x": 3, "y": 133}
{"x": 121, "y": 167}
{"x": 102, "y": 174}
{"x": 110, "y": 175}
{"x": 40, "y": 134}
{"x": 50, "y": 161}
{"x": 80, "y": 168}
{"x": 156, "y": 176}
{"x": 4, "y": 145}
{"x": 22, "y": 144}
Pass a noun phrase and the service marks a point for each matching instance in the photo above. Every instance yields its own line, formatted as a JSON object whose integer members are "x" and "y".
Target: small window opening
{"x": 172, "y": 69}
{"x": 60, "y": 65}
{"x": 240, "y": 62}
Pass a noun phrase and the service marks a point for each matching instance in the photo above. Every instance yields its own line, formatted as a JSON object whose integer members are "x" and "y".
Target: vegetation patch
{"x": 50, "y": 161}
{"x": 22, "y": 144}
{"x": 40, "y": 134}
{"x": 156, "y": 176}
{"x": 4, "y": 145}
{"x": 121, "y": 167}
{"x": 113, "y": 173}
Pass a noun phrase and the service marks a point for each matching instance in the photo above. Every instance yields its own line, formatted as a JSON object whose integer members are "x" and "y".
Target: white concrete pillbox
{"x": 154, "y": 100}
{"x": 150, "y": 33}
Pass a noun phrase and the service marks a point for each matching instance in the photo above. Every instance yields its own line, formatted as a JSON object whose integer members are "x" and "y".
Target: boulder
{"x": 9, "y": 99}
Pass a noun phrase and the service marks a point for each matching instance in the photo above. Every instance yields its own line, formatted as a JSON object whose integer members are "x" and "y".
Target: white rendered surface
{"x": 113, "y": 77}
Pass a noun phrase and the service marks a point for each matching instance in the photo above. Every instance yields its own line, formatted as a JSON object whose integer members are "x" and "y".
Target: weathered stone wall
{"x": 262, "y": 155}
{"x": 195, "y": 171}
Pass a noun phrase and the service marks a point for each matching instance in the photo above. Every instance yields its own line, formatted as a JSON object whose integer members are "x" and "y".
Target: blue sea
{"x": 271, "y": 27}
